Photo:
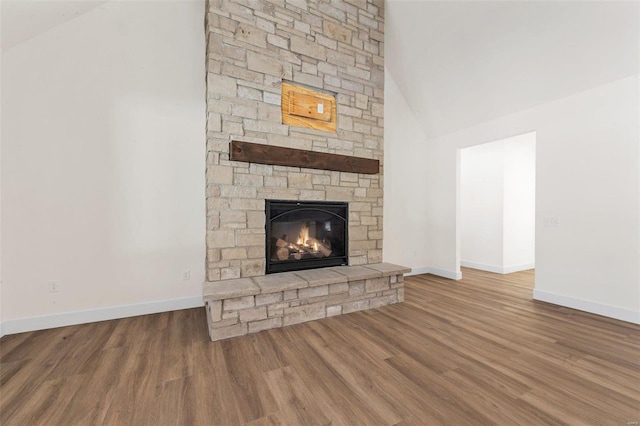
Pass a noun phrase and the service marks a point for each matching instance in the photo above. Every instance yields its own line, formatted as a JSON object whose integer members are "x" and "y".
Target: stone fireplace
{"x": 253, "y": 47}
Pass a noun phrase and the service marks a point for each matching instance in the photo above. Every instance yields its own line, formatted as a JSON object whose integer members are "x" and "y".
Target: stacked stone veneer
{"x": 252, "y": 46}
{"x": 248, "y": 305}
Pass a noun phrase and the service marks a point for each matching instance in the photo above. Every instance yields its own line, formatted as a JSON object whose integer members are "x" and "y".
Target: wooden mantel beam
{"x": 279, "y": 156}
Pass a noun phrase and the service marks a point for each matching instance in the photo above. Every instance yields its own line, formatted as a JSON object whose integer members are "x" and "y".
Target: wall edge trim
{"x": 445, "y": 273}
{"x": 589, "y": 306}
{"x": 495, "y": 268}
{"x": 63, "y": 319}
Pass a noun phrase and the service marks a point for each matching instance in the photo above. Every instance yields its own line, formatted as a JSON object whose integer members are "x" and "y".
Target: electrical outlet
{"x": 186, "y": 275}
{"x": 551, "y": 221}
{"x": 54, "y": 286}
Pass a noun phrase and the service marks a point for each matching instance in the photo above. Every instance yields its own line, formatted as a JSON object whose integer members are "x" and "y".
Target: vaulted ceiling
{"x": 461, "y": 63}
{"x": 458, "y": 63}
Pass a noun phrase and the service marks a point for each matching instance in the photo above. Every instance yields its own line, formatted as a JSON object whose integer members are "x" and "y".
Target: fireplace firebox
{"x": 305, "y": 235}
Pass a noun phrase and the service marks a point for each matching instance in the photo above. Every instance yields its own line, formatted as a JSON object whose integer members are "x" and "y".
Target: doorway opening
{"x": 496, "y": 214}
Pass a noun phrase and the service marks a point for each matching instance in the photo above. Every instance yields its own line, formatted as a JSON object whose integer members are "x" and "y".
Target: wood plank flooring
{"x": 473, "y": 352}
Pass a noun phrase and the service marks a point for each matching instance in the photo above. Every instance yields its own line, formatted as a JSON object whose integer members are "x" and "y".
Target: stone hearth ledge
{"x": 248, "y": 305}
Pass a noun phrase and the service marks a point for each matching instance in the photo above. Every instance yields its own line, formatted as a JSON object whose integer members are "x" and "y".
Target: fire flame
{"x": 304, "y": 235}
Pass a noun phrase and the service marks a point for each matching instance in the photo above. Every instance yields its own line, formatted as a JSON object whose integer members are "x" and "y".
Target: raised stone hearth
{"x": 248, "y": 305}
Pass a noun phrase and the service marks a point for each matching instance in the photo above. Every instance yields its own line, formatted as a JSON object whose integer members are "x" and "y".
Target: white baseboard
{"x": 588, "y": 306}
{"x": 63, "y": 319}
{"x": 497, "y": 269}
{"x": 445, "y": 273}
{"x": 518, "y": 268}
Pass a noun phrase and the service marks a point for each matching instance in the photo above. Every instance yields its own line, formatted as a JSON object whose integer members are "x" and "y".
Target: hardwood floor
{"x": 476, "y": 351}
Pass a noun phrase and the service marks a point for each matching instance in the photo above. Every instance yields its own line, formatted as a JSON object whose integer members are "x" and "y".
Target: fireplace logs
{"x": 285, "y": 249}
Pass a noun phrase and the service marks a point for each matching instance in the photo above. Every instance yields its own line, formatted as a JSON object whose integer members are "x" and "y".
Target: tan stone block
{"x": 360, "y": 207}
{"x": 279, "y": 282}
{"x": 290, "y": 295}
{"x": 267, "y": 324}
{"x": 228, "y": 289}
{"x": 247, "y": 204}
{"x": 254, "y": 314}
{"x": 256, "y": 220}
{"x": 334, "y": 310}
{"x": 362, "y": 101}
{"x": 253, "y": 267}
{"x": 256, "y": 252}
{"x": 268, "y": 299}
{"x": 213, "y": 274}
{"x": 360, "y": 192}
{"x": 373, "y": 285}
{"x": 338, "y": 288}
{"x": 239, "y": 329}
{"x": 356, "y": 273}
{"x": 234, "y": 253}
{"x": 268, "y": 65}
{"x": 306, "y": 293}
{"x": 260, "y": 125}
{"x": 374, "y": 192}
{"x": 277, "y": 41}
{"x": 246, "y": 179}
{"x": 233, "y": 217}
{"x": 249, "y": 33}
{"x": 401, "y": 295}
{"x": 320, "y": 180}
{"x": 389, "y": 269}
{"x": 355, "y": 306}
{"x": 300, "y": 181}
{"x": 228, "y": 315}
{"x": 269, "y": 112}
{"x": 214, "y": 122}
{"x": 377, "y": 109}
{"x": 322, "y": 276}
{"x": 277, "y": 309}
{"x": 306, "y": 194}
{"x": 220, "y": 239}
{"x": 250, "y": 238}
{"x": 356, "y": 288}
{"x": 374, "y": 256}
{"x": 362, "y": 245}
{"x": 307, "y": 48}
{"x": 336, "y": 31}
{"x": 215, "y": 310}
{"x": 225, "y": 322}
{"x": 304, "y": 313}
{"x": 238, "y": 303}
{"x": 273, "y": 312}
{"x": 221, "y": 85}
{"x": 383, "y": 301}
{"x": 233, "y": 191}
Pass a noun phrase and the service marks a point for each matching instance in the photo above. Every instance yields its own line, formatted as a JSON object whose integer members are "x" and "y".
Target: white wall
{"x": 519, "y": 203}
{"x": 405, "y": 232}
{"x": 587, "y": 177}
{"x": 482, "y": 206}
{"x": 103, "y": 149}
{"x": 497, "y": 205}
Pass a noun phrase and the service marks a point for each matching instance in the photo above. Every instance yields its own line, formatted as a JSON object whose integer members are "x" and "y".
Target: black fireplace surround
{"x": 305, "y": 235}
